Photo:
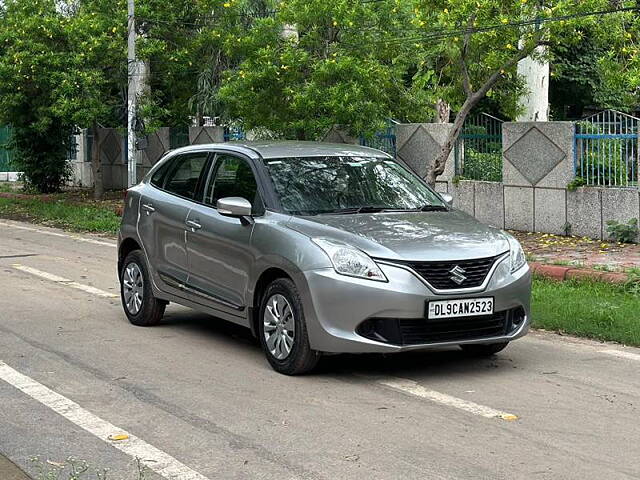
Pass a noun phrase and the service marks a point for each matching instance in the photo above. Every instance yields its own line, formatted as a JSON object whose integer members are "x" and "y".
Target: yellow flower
{"x": 509, "y": 46}
{"x": 226, "y": 5}
{"x": 505, "y": 20}
{"x": 335, "y": 24}
{"x": 114, "y": 29}
{"x": 446, "y": 10}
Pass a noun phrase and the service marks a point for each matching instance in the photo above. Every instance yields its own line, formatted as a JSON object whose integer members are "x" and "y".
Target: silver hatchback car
{"x": 318, "y": 249}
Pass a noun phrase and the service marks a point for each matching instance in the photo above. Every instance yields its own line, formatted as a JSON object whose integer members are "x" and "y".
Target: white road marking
{"x": 413, "y": 388}
{"x": 622, "y": 354}
{"x": 153, "y": 458}
{"x": 57, "y": 234}
{"x": 64, "y": 281}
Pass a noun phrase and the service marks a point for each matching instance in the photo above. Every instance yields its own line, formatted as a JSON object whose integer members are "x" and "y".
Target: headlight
{"x": 518, "y": 258}
{"x": 348, "y": 260}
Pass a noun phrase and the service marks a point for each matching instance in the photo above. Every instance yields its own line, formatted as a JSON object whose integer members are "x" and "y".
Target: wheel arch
{"x": 127, "y": 246}
{"x": 264, "y": 280}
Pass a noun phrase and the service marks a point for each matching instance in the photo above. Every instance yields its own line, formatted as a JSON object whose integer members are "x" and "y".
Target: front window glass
{"x": 233, "y": 178}
{"x": 315, "y": 185}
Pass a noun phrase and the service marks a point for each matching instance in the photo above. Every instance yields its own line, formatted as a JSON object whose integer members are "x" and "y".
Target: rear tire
{"x": 282, "y": 329}
{"x": 139, "y": 304}
{"x": 483, "y": 350}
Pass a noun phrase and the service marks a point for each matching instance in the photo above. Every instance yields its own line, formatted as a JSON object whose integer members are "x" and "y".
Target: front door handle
{"x": 193, "y": 224}
{"x": 148, "y": 208}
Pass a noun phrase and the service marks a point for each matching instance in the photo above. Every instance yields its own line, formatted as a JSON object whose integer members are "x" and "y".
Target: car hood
{"x": 417, "y": 236}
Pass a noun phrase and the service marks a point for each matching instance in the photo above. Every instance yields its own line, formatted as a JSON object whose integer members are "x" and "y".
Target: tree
{"x": 33, "y": 47}
{"x": 478, "y": 43}
{"x": 601, "y": 71}
{"x": 92, "y": 89}
{"x": 188, "y": 45}
{"x": 61, "y": 67}
{"x": 298, "y": 86}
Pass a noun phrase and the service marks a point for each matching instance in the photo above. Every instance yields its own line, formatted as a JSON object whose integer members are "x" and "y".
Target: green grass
{"x": 588, "y": 309}
{"x": 61, "y": 213}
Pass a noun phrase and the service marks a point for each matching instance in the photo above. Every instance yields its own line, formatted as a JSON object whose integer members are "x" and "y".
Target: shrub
{"x": 574, "y": 184}
{"x": 483, "y": 166}
{"x": 42, "y": 157}
{"x": 623, "y": 232}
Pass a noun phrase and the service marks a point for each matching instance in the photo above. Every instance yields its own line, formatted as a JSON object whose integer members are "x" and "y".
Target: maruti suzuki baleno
{"x": 318, "y": 249}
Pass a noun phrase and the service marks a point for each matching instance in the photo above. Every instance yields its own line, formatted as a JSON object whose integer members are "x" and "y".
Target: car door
{"x": 218, "y": 246}
{"x": 164, "y": 206}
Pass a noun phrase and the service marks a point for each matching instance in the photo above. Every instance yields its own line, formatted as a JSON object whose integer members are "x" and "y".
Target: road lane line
{"x": 413, "y": 388}
{"x": 57, "y": 234}
{"x": 64, "y": 281}
{"x": 153, "y": 458}
{"x": 621, "y": 354}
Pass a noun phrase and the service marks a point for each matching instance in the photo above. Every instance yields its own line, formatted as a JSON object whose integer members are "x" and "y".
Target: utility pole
{"x": 133, "y": 75}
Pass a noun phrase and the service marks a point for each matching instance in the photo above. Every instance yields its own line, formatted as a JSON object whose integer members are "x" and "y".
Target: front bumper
{"x": 336, "y": 306}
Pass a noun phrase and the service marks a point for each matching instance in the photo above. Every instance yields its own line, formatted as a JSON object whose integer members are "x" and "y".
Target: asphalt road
{"x": 199, "y": 401}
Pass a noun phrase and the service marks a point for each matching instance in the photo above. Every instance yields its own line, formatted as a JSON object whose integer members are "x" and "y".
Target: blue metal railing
{"x": 606, "y": 149}
{"x": 384, "y": 140}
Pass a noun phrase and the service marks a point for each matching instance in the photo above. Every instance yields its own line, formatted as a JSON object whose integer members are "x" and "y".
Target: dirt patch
{"x": 579, "y": 251}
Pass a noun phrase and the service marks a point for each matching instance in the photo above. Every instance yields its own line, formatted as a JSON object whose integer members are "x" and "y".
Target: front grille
{"x": 439, "y": 275}
{"x": 414, "y": 331}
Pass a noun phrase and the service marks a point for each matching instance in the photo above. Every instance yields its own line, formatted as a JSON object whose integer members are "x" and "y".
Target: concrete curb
{"x": 561, "y": 273}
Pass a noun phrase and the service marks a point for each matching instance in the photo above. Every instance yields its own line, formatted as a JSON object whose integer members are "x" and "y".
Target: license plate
{"x": 468, "y": 307}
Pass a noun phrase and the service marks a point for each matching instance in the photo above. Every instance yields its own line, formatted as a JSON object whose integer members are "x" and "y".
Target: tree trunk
{"x": 437, "y": 166}
{"x": 443, "y": 111}
{"x": 96, "y": 164}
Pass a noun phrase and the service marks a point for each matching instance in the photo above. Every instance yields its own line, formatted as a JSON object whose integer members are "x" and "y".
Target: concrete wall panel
{"x": 550, "y": 210}
{"x": 584, "y": 212}
{"x": 489, "y": 201}
{"x": 464, "y": 196}
{"x": 518, "y": 212}
{"x": 620, "y": 205}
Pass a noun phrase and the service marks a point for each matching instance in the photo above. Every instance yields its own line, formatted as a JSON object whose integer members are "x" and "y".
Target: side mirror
{"x": 234, "y": 207}
{"x": 448, "y": 198}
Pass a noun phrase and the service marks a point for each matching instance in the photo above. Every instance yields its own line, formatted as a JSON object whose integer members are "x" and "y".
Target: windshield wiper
{"x": 364, "y": 209}
{"x": 434, "y": 208}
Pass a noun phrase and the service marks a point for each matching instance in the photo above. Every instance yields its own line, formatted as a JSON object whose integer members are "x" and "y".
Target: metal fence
{"x": 478, "y": 150}
{"x": 607, "y": 149}
{"x": 232, "y": 134}
{"x": 6, "y": 154}
{"x": 384, "y": 140}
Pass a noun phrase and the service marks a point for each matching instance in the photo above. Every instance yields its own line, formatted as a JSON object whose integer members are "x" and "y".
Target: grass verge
{"x": 60, "y": 212}
{"x": 585, "y": 308}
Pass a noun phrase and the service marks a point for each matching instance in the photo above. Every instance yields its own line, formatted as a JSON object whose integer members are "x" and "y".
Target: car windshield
{"x": 340, "y": 184}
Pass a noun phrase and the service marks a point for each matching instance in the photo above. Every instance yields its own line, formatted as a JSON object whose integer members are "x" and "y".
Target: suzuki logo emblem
{"x": 457, "y": 274}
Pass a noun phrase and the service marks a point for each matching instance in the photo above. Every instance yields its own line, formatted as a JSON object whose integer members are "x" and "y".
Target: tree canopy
{"x": 294, "y": 68}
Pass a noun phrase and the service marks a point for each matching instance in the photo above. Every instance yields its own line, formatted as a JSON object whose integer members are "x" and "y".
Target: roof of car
{"x": 282, "y": 149}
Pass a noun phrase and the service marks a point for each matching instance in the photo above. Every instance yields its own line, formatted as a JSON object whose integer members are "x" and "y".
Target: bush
{"x": 482, "y": 166}
{"x": 623, "y": 232}
{"x": 42, "y": 157}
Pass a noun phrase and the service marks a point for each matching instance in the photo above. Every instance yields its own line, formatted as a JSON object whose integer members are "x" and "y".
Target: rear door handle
{"x": 193, "y": 224}
{"x": 148, "y": 207}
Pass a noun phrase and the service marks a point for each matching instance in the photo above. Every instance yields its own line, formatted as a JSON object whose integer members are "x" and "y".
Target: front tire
{"x": 283, "y": 331}
{"x": 483, "y": 350}
{"x": 139, "y": 304}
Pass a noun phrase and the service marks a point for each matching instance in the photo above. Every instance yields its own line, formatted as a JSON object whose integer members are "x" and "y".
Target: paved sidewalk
{"x": 10, "y": 471}
{"x": 580, "y": 252}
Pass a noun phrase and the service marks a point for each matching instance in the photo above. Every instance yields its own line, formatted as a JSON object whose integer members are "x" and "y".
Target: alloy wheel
{"x": 133, "y": 288}
{"x": 279, "y": 326}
